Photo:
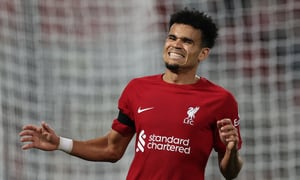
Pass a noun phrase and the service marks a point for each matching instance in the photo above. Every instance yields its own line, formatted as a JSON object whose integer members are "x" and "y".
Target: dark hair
{"x": 198, "y": 20}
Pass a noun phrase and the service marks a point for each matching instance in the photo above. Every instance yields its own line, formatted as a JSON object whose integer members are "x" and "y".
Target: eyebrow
{"x": 184, "y": 39}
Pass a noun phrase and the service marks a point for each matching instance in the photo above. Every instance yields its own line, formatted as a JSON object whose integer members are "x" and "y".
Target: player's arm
{"x": 109, "y": 148}
{"x": 230, "y": 162}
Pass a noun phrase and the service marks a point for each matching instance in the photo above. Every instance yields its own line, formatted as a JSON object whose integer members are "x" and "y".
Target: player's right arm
{"x": 109, "y": 148}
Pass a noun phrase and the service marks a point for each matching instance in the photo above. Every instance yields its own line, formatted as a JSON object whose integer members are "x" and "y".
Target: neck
{"x": 174, "y": 78}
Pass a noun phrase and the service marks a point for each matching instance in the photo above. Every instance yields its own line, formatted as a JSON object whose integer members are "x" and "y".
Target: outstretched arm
{"x": 230, "y": 162}
{"x": 109, "y": 148}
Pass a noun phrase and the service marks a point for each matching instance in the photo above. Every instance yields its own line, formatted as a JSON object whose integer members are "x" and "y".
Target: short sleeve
{"x": 124, "y": 123}
{"x": 228, "y": 109}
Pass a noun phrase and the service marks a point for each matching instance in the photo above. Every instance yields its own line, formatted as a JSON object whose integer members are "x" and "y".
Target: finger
{"x": 27, "y": 133}
{"x": 219, "y": 124}
{"x": 28, "y": 146}
{"x": 228, "y": 131}
{"x": 223, "y": 122}
{"x": 47, "y": 127}
{"x": 27, "y": 139}
{"x": 228, "y": 128}
{"x": 225, "y": 135}
{"x": 231, "y": 137}
{"x": 31, "y": 127}
{"x": 234, "y": 140}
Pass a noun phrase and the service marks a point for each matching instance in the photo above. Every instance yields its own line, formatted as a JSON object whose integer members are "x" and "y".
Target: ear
{"x": 203, "y": 54}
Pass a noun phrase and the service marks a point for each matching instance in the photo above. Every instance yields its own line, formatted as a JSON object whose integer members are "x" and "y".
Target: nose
{"x": 177, "y": 44}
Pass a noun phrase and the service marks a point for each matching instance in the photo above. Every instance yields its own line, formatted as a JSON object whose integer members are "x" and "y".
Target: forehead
{"x": 183, "y": 30}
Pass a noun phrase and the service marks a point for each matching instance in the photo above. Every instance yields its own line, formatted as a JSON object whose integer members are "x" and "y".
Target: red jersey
{"x": 175, "y": 125}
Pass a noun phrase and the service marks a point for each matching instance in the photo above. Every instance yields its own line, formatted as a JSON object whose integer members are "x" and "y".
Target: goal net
{"x": 67, "y": 61}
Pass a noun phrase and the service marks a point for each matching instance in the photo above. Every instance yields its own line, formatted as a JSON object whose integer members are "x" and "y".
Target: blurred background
{"x": 66, "y": 62}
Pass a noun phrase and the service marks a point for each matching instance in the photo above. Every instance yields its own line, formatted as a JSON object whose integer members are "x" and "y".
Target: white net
{"x": 67, "y": 61}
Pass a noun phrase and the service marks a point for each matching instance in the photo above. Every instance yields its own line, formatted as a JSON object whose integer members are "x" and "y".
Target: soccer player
{"x": 177, "y": 116}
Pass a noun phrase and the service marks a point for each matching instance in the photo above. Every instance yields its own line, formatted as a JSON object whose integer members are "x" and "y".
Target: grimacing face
{"x": 183, "y": 46}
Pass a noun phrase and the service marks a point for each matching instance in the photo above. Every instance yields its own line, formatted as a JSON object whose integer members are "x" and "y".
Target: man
{"x": 178, "y": 116}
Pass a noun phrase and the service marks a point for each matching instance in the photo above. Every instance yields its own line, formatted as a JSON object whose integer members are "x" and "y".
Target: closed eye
{"x": 183, "y": 39}
{"x": 172, "y": 37}
{"x": 187, "y": 40}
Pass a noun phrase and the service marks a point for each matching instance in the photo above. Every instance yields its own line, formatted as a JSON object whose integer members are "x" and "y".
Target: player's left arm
{"x": 230, "y": 162}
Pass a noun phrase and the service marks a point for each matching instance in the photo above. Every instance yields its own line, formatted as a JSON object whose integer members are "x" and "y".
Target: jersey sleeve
{"x": 124, "y": 123}
{"x": 228, "y": 109}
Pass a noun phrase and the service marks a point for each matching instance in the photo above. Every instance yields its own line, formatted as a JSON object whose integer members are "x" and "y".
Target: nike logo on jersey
{"x": 140, "y": 110}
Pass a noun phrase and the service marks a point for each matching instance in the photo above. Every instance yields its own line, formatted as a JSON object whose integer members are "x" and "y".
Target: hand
{"x": 228, "y": 133}
{"x": 42, "y": 137}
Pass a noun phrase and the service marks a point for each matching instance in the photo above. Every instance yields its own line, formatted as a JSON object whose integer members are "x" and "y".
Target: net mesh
{"x": 67, "y": 61}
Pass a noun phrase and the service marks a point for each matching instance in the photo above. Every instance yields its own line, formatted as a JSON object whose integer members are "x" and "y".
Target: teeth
{"x": 175, "y": 55}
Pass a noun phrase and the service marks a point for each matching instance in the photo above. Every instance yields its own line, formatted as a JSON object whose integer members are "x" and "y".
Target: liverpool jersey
{"x": 175, "y": 126}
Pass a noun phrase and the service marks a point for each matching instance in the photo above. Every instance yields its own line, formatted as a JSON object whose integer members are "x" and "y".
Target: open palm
{"x": 43, "y": 137}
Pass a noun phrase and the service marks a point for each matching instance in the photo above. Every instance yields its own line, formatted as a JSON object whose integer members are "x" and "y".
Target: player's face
{"x": 182, "y": 47}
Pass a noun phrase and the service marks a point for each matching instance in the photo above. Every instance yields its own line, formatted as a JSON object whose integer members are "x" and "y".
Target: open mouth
{"x": 175, "y": 55}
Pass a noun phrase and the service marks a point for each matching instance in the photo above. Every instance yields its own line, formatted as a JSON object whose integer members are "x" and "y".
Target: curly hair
{"x": 198, "y": 20}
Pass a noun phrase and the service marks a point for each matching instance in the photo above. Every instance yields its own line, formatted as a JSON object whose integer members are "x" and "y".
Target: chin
{"x": 172, "y": 67}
